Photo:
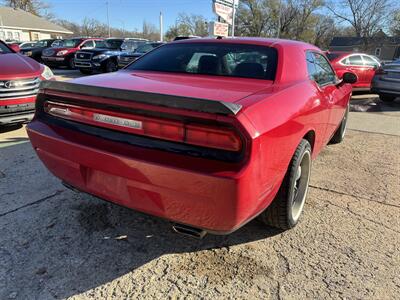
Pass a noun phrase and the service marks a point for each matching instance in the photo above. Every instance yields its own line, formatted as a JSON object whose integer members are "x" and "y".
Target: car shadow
{"x": 68, "y": 243}
{"x": 374, "y": 104}
{"x": 8, "y": 128}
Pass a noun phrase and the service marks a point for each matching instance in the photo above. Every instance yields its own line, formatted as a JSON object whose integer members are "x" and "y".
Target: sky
{"x": 129, "y": 14}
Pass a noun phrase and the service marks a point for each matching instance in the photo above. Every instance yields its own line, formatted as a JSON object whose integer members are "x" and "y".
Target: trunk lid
{"x": 229, "y": 90}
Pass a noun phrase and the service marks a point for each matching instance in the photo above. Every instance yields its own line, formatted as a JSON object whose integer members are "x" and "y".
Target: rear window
{"x": 235, "y": 60}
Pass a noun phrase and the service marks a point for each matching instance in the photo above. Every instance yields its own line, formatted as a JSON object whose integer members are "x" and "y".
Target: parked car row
{"x": 87, "y": 54}
{"x": 111, "y": 54}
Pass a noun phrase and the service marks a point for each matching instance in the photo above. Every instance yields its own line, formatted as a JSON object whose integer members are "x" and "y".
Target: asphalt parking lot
{"x": 58, "y": 244}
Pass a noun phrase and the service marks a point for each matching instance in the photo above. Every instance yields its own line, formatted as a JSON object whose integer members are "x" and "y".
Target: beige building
{"x": 19, "y": 25}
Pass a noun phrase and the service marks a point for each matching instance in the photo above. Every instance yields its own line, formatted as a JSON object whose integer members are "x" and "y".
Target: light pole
{"x": 108, "y": 21}
{"x": 161, "y": 27}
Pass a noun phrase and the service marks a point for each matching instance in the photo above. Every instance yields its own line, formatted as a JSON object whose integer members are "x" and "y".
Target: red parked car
{"x": 64, "y": 55}
{"x": 20, "y": 77}
{"x": 362, "y": 65}
{"x": 207, "y": 133}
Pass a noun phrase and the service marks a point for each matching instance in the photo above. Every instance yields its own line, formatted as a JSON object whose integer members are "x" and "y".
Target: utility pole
{"x": 108, "y": 21}
{"x": 233, "y": 17}
{"x": 161, "y": 28}
{"x": 278, "y": 31}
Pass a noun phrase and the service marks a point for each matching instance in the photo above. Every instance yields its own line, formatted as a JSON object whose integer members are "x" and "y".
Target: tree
{"x": 186, "y": 25}
{"x": 394, "y": 27}
{"x": 367, "y": 17}
{"x": 93, "y": 28}
{"x": 36, "y": 7}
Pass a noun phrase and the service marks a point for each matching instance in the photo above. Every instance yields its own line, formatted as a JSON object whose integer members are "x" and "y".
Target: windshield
{"x": 27, "y": 45}
{"x": 42, "y": 43}
{"x": 72, "y": 43}
{"x": 131, "y": 45}
{"x": 109, "y": 44}
{"x": 236, "y": 60}
{"x": 4, "y": 49}
{"x": 146, "y": 48}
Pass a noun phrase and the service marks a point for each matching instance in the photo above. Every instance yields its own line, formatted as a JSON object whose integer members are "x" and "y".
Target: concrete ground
{"x": 58, "y": 244}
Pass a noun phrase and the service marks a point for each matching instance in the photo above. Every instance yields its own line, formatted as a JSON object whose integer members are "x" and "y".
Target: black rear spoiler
{"x": 194, "y": 104}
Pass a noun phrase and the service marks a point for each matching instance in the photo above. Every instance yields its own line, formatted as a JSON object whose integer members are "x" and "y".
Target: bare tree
{"x": 367, "y": 17}
{"x": 36, "y": 7}
{"x": 394, "y": 27}
{"x": 188, "y": 25}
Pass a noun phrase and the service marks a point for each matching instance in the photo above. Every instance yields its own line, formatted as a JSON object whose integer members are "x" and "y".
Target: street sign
{"x": 227, "y": 2}
{"x": 219, "y": 29}
{"x": 224, "y": 11}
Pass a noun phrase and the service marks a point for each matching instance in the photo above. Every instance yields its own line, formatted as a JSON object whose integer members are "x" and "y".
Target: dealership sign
{"x": 219, "y": 29}
{"x": 224, "y": 11}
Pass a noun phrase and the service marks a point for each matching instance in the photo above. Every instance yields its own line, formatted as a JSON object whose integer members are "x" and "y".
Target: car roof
{"x": 269, "y": 42}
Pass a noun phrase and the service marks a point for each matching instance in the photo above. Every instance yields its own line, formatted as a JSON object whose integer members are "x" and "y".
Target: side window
{"x": 324, "y": 73}
{"x": 355, "y": 60}
{"x": 310, "y": 65}
{"x": 369, "y": 61}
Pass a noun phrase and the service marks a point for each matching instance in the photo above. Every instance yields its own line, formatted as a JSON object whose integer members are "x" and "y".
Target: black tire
{"x": 386, "y": 98}
{"x": 86, "y": 71}
{"x": 285, "y": 210}
{"x": 71, "y": 63}
{"x": 338, "y": 137}
{"x": 111, "y": 66}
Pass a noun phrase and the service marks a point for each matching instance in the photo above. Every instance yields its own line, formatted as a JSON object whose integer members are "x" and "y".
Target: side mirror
{"x": 375, "y": 67}
{"x": 349, "y": 78}
{"x": 15, "y": 48}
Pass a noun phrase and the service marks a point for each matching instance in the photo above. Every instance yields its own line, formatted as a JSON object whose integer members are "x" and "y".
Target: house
{"x": 19, "y": 25}
{"x": 384, "y": 47}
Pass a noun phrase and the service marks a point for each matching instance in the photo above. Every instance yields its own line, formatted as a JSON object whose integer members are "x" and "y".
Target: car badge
{"x": 8, "y": 84}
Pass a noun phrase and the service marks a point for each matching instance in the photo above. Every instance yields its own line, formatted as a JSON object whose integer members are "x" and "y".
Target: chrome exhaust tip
{"x": 189, "y": 231}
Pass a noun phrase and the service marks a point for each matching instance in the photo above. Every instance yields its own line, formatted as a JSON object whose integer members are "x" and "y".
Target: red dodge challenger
{"x": 207, "y": 133}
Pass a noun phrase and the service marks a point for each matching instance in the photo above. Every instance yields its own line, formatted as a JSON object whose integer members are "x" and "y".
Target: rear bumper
{"x": 389, "y": 87}
{"x": 216, "y": 203}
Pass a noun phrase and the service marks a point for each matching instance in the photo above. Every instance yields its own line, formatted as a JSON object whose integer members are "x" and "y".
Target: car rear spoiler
{"x": 194, "y": 104}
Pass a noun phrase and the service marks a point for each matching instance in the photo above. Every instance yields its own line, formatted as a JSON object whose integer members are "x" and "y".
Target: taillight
{"x": 380, "y": 71}
{"x": 194, "y": 134}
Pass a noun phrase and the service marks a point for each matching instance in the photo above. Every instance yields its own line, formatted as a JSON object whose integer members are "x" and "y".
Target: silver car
{"x": 386, "y": 82}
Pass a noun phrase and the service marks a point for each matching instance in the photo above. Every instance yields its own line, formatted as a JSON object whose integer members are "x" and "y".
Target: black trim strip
{"x": 194, "y": 104}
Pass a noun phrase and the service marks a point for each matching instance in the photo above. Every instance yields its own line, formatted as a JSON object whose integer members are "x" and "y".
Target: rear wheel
{"x": 111, "y": 66}
{"x": 386, "y": 98}
{"x": 285, "y": 210}
{"x": 341, "y": 131}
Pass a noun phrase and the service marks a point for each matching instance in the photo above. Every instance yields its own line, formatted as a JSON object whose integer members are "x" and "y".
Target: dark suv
{"x": 35, "y": 51}
{"x": 103, "y": 58}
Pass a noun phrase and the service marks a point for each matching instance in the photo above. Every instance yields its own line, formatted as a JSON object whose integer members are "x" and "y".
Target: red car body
{"x": 64, "y": 56}
{"x": 360, "y": 64}
{"x": 20, "y": 77}
{"x": 213, "y": 189}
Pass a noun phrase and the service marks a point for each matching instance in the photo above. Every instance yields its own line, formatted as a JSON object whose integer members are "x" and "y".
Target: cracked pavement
{"x": 56, "y": 244}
